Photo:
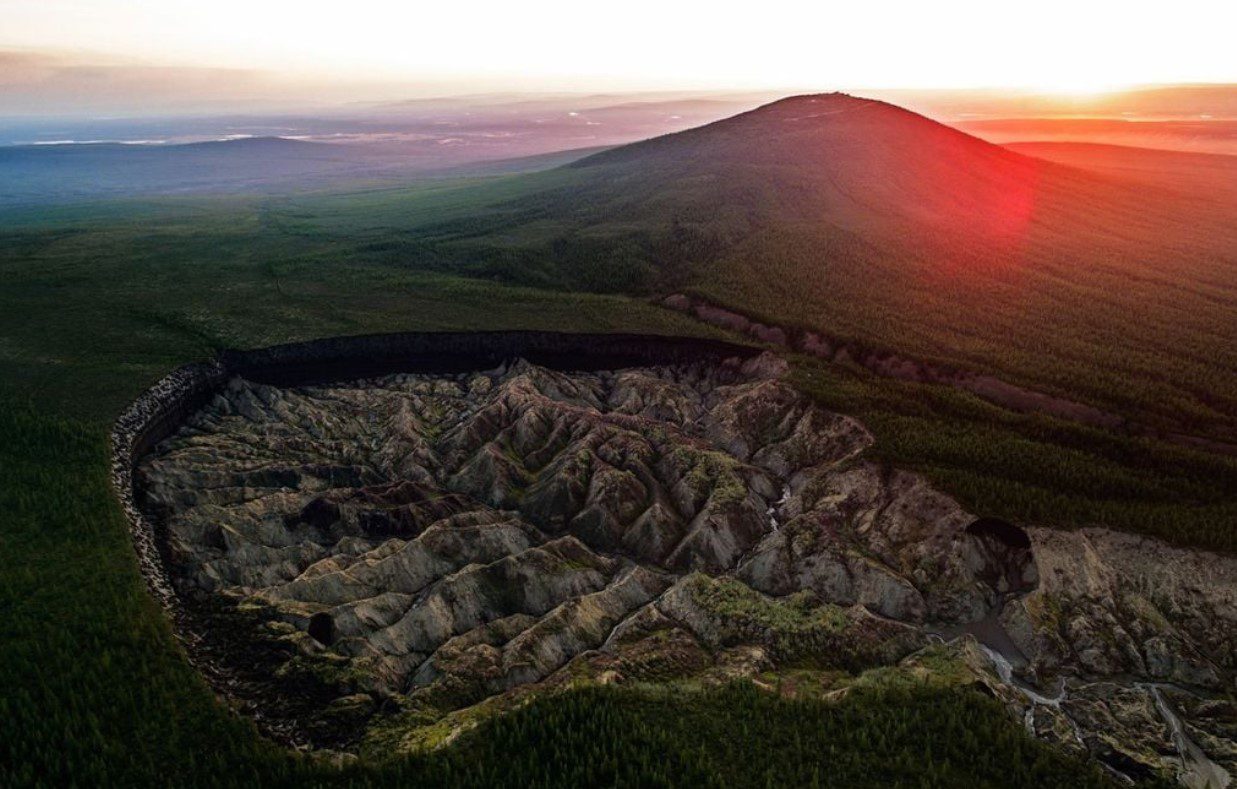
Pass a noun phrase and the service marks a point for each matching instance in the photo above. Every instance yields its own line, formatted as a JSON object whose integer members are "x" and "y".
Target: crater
{"x": 362, "y": 561}
{"x": 422, "y": 533}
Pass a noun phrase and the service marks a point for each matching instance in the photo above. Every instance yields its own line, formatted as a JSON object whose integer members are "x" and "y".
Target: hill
{"x": 101, "y": 300}
{"x": 875, "y": 224}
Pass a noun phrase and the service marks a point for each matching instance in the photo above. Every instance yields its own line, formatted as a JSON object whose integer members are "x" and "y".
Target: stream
{"x": 776, "y": 506}
{"x": 1196, "y": 771}
{"x": 1005, "y": 670}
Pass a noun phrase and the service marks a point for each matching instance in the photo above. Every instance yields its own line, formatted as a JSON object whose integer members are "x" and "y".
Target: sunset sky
{"x": 238, "y": 48}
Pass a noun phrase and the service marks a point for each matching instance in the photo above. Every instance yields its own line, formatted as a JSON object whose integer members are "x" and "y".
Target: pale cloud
{"x": 649, "y": 43}
{"x": 177, "y": 52}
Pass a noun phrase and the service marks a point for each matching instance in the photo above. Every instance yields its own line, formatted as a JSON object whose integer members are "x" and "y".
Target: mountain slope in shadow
{"x": 873, "y": 223}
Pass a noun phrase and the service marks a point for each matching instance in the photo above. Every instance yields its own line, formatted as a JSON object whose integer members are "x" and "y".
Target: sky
{"x": 98, "y": 52}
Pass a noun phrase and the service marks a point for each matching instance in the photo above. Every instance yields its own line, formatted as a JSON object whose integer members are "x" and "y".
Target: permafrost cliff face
{"x": 387, "y": 555}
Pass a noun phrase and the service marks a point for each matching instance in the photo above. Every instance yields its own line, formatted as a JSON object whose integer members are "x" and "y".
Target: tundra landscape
{"x": 650, "y": 435}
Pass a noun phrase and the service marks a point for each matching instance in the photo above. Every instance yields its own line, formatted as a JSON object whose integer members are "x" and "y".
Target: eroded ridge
{"x": 387, "y": 555}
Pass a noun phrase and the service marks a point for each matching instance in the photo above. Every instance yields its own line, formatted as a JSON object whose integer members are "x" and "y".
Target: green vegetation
{"x": 1033, "y": 468}
{"x": 799, "y": 630}
{"x": 716, "y": 472}
{"x": 741, "y": 736}
{"x": 93, "y": 689}
{"x": 734, "y": 600}
{"x": 101, "y": 300}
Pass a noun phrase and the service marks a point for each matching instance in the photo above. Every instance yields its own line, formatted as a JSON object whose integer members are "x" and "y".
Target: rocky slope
{"x": 389, "y": 559}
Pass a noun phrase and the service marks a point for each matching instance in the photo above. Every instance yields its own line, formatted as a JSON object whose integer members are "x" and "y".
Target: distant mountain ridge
{"x": 68, "y": 172}
{"x": 234, "y": 143}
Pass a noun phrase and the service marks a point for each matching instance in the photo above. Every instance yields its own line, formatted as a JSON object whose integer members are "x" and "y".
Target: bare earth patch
{"x": 388, "y": 561}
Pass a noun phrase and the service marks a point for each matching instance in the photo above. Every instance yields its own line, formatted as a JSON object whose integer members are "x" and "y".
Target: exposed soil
{"x": 390, "y": 559}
